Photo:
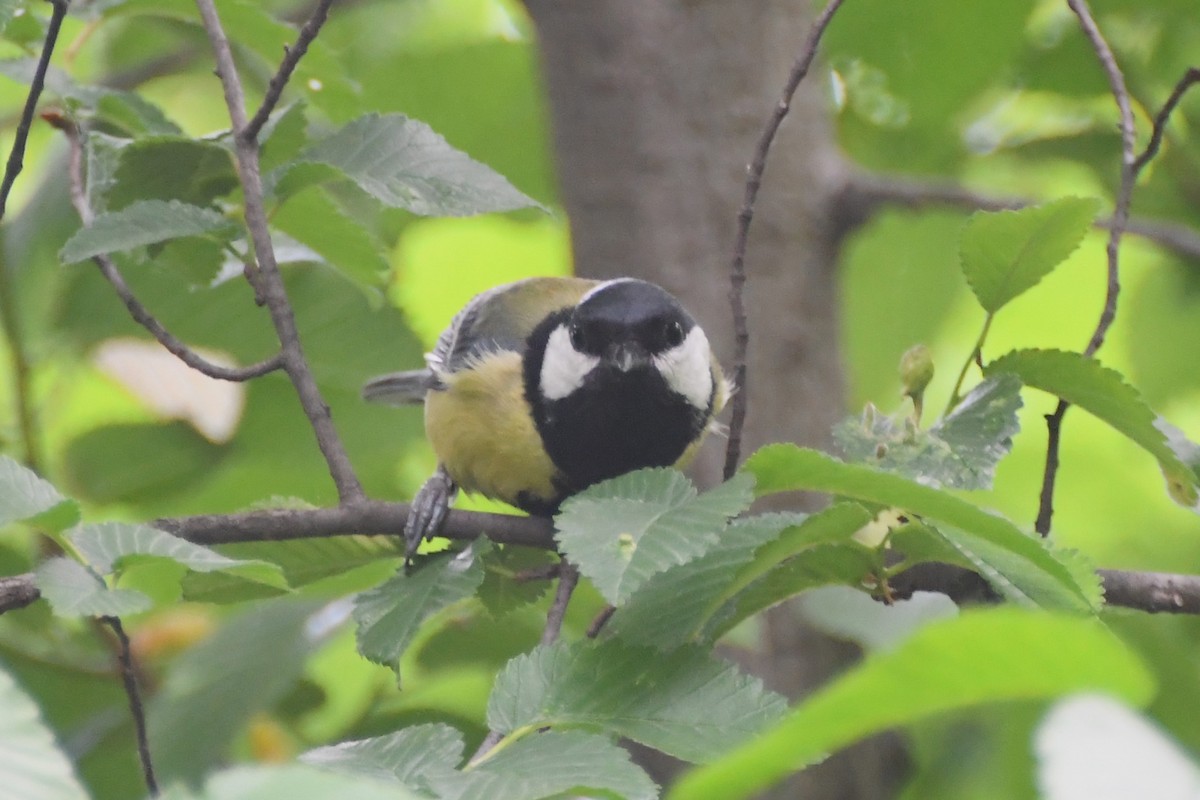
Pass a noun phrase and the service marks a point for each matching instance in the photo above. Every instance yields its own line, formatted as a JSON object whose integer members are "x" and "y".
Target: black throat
{"x": 614, "y": 423}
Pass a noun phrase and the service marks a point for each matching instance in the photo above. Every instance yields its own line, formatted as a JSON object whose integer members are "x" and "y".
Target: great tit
{"x": 542, "y": 387}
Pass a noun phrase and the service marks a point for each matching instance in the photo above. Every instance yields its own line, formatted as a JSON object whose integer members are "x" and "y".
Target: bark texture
{"x": 656, "y": 106}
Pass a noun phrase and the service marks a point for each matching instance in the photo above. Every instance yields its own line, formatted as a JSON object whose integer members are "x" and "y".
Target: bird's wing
{"x": 502, "y": 319}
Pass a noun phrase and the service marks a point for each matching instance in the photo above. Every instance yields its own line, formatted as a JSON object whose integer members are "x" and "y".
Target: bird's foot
{"x": 428, "y": 512}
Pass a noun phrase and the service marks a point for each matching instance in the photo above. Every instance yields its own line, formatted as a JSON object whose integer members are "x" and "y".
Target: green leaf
{"x": 1103, "y": 393}
{"x": 72, "y": 591}
{"x": 960, "y": 451}
{"x": 1005, "y": 253}
{"x": 33, "y": 766}
{"x": 22, "y": 493}
{"x": 501, "y": 591}
{"x": 303, "y": 561}
{"x": 389, "y": 615}
{"x": 671, "y": 607}
{"x": 980, "y": 657}
{"x": 549, "y": 764}
{"x": 843, "y": 564}
{"x": 407, "y": 755}
{"x": 142, "y": 223}
{"x": 312, "y": 218}
{"x": 289, "y": 782}
{"x": 621, "y": 531}
{"x": 1031, "y": 567}
{"x": 283, "y": 136}
{"x": 685, "y": 702}
{"x": 215, "y": 687}
{"x": 855, "y": 616}
{"x": 109, "y": 546}
{"x": 403, "y": 163}
{"x": 167, "y": 168}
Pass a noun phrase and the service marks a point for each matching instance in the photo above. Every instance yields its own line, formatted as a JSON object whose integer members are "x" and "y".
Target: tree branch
{"x": 1120, "y": 218}
{"x": 1144, "y": 591}
{"x": 136, "y": 709}
{"x": 112, "y": 274}
{"x": 16, "y": 157}
{"x": 9, "y": 310}
{"x": 291, "y": 57}
{"x": 737, "y": 270}
{"x": 267, "y": 277}
{"x": 864, "y": 194}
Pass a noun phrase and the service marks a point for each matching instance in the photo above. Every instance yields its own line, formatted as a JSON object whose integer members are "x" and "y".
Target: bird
{"x": 543, "y": 387}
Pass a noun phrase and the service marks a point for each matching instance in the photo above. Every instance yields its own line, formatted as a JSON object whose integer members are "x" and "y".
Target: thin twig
{"x": 9, "y": 307}
{"x": 568, "y": 578}
{"x": 600, "y": 621}
{"x": 291, "y": 57}
{"x": 266, "y": 278}
{"x": 136, "y": 709}
{"x": 737, "y": 271}
{"x": 1120, "y": 219}
{"x": 16, "y": 158}
{"x": 112, "y": 274}
{"x": 1190, "y": 77}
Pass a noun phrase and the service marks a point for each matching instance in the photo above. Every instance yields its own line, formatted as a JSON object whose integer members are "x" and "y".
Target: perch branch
{"x": 112, "y": 274}
{"x": 267, "y": 277}
{"x": 291, "y": 57}
{"x": 737, "y": 270}
{"x": 1144, "y": 591}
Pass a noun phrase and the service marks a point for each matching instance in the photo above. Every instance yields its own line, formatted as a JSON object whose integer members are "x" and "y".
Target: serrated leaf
{"x": 1037, "y": 574}
{"x": 303, "y": 561}
{"x": 981, "y": 656}
{"x": 168, "y": 168}
{"x": 502, "y": 590}
{"x": 289, "y": 782}
{"x": 403, "y": 163}
{"x": 1103, "y": 393}
{"x": 283, "y": 136}
{"x": 550, "y": 764}
{"x": 960, "y": 451}
{"x": 684, "y": 702}
{"x": 72, "y": 591}
{"x": 312, "y": 218}
{"x": 833, "y": 564}
{"x": 33, "y": 765}
{"x": 142, "y": 223}
{"x": 671, "y": 607}
{"x": 1004, "y": 253}
{"x": 621, "y": 531}
{"x": 108, "y": 546}
{"x": 389, "y": 615}
{"x": 407, "y": 755}
{"x": 22, "y": 493}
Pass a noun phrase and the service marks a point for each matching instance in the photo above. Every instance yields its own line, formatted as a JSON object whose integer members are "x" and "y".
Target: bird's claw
{"x": 428, "y": 512}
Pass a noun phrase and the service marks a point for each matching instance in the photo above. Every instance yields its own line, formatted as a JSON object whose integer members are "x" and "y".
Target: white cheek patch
{"x": 564, "y": 367}
{"x": 687, "y": 368}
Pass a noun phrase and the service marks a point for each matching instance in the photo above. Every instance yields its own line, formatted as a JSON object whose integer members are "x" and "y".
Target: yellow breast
{"x": 482, "y": 432}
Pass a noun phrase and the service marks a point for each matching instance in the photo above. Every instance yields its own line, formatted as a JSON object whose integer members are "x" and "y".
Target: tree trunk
{"x": 656, "y": 107}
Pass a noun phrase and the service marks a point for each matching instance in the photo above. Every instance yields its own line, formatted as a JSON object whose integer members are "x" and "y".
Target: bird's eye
{"x": 673, "y": 333}
{"x": 576, "y": 334}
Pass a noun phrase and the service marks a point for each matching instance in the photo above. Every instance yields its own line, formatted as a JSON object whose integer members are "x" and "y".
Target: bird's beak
{"x": 628, "y": 355}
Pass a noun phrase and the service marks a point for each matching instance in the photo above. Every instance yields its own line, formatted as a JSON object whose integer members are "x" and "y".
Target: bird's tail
{"x": 400, "y": 388}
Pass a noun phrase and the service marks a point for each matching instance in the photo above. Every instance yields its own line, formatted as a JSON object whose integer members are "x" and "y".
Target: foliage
{"x": 272, "y": 651}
